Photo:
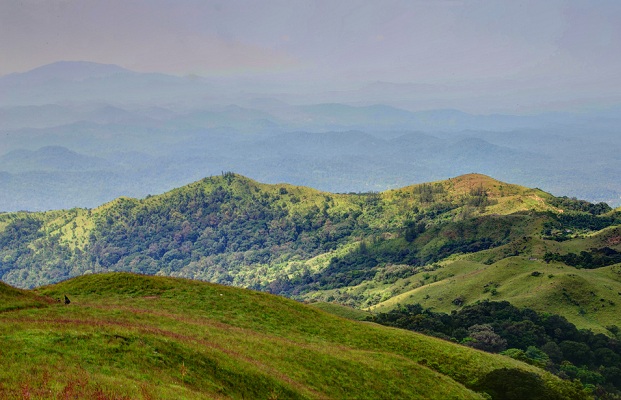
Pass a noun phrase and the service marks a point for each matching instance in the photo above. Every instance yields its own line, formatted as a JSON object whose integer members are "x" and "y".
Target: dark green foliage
{"x": 563, "y": 226}
{"x": 26, "y": 262}
{"x": 478, "y": 197}
{"x": 426, "y": 191}
{"x": 484, "y": 338}
{"x": 456, "y": 237}
{"x": 14, "y": 241}
{"x": 195, "y": 224}
{"x": 412, "y": 230}
{"x": 572, "y": 204}
{"x": 515, "y": 384}
{"x": 594, "y": 258}
{"x": 348, "y": 271}
{"x": 548, "y": 341}
{"x": 20, "y": 231}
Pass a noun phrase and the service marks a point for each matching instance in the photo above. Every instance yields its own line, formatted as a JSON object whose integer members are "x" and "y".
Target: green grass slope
{"x": 590, "y": 299}
{"x": 15, "y": 299}
{"x": 343, "y": 311}
{"x": 138, "y": 337}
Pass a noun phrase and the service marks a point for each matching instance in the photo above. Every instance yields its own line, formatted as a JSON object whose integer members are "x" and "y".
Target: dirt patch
{"x": 613, "y": 240}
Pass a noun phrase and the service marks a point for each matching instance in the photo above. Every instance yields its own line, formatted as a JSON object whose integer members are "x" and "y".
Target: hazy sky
{"x": 570, "y": 48}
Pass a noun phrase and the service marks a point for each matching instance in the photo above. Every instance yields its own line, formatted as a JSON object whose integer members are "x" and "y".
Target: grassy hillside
{"x": 519, "y": 273}
{"x": 14, "y": 299}
{"x": 343, "y": 311}
{"x": 588, "y": 298}
{"x": 130, "y": 336}
{"x": 469, "y": 237}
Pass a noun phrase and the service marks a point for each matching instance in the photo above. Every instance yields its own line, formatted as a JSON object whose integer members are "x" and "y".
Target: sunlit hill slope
{"x": 468, "y": 238}
{"x": 130, "y": 336}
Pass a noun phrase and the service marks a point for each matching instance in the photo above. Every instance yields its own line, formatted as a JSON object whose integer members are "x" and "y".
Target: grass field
{"x": 588, "y": 298}
{"x": 127, "y": 336}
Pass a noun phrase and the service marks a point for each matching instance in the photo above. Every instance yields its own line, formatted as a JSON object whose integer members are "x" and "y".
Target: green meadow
{"x": 127, "y": 336}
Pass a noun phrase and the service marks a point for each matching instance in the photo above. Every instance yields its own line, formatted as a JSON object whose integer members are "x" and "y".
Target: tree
{"x": 484, "y": 338}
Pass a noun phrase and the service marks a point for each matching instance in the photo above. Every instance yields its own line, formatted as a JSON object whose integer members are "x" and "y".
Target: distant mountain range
{"x": 132, "y": 134}
{"x": 50, "y": 158}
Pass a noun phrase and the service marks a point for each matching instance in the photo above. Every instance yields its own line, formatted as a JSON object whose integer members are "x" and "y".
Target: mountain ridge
{"x": 66, "y": 70}
{"x": 220, "y": 125}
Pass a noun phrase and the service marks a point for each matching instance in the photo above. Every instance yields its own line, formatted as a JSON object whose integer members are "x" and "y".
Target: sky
{"x": 562, "y": 52}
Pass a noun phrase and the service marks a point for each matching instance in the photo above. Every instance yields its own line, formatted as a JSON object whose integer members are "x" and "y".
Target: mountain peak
{"x": 70, "y": 70}
{"x": 477, "y": 179}
{"x": 468, "y": 182}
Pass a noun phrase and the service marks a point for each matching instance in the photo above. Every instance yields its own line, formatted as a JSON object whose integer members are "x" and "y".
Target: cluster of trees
{"x": 422, "y": 241}
{"x": 594, "y": 258}
{"x": 238, "y": 224}
{"x": 563, "y": 226}
{"x": 573, "y": 204}
{"x": 31, "y": 256}
{"x": 427, "y": 191}
{"x": 478, "y": 197}
{"x": 14, "y": 241}
{"x": 548, "y": 341}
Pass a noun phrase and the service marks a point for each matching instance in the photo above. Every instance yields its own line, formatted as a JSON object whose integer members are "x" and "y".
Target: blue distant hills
{"x": 80, "y": 133}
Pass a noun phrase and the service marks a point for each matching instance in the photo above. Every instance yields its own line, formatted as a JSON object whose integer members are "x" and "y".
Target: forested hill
{"x": 359, "y": 249}
{"x": 230, "y": 229}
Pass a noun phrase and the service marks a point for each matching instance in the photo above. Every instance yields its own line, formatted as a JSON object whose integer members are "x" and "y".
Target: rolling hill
{"x": 449, "y": 247}
{"x": 586, "y": 297}
{"x": 130, "y": 336}
{"x": 428, "y": 243}
{"x": 226, "y": 228}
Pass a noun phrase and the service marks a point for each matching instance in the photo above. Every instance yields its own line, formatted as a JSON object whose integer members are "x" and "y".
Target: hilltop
{"x": 231, "y": 219}
{"x": 14, "y": 299}
{"x": 432, "y": 243}
{"x": 362, "y": 249}
{"x": 131, "y": 336}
